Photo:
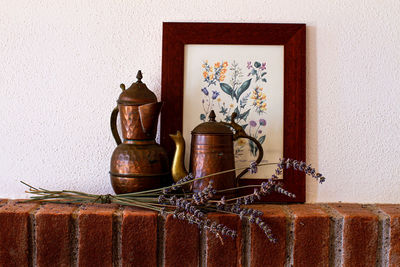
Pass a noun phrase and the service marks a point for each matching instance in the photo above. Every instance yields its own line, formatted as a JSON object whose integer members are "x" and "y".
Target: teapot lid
{"x": 137, "y": 93}
{"x": 212, "y": 127}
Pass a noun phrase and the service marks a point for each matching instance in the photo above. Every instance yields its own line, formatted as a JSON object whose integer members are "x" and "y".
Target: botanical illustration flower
{"x": 257, "y": 70}
{"x": 259, "y": 100}
{"x": 215, "y": 94}
{"x": 241, "y": 142}
{"x": 241, "y": 95}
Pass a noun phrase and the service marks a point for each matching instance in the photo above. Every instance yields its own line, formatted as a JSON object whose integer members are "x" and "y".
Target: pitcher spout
{"x": 148, "y": 114}
{"x": 178, "y": 170}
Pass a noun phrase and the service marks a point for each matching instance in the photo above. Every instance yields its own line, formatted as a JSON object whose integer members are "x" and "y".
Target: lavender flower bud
{"x": 253, "y": 167}
{"x": 161, "y": 199}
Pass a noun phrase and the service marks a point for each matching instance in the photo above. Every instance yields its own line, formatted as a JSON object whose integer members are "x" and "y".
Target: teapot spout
{"x": 178, "y": 165}
{"x": 149, "y": 117}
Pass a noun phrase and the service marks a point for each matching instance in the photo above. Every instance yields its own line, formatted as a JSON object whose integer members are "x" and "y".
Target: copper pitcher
{"x": 211, "y": 152}
{"x": 138, "y": 163}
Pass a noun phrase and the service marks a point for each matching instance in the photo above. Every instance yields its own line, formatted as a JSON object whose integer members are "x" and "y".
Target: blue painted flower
{"x": 204, "y": 90}
{"x": 263, "y": 122}
{"x": 215, "y": 94}
{"x": 253, "y": 123}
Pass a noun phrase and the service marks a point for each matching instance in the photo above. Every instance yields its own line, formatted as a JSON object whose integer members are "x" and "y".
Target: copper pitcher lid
{"x": 212, "y": 127}
{"x": 137, "y": 93}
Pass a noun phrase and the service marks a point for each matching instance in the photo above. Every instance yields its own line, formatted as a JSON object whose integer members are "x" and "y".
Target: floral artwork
{"x": 246, "y": 79}
{"x": 228, "y": 87}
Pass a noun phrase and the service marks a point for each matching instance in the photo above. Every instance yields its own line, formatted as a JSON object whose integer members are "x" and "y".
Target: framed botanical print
{"x": 254, "y": 70}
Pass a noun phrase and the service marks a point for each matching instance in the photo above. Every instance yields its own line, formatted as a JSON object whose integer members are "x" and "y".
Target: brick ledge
{"x": 333, "y": 234}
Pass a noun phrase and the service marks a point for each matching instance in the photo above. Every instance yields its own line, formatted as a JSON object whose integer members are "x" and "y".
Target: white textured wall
{"x": 61, "y": 63}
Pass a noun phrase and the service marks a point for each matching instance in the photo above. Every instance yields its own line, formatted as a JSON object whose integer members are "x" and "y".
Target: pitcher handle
{"x": 113, "y": 120}
{"x": 113, "y": 123}
{"x": 240, "y": 133}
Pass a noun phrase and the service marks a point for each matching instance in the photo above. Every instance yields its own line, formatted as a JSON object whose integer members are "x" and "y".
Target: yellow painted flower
{"x": 216, "y": 65}
{"x": 219, "y": 99}
{"x": 223, "y": 71}
{"x": 263, "y": 96}
{"x": 222, "y": 78}
{"x": 203, "y": 66}
{"x": 205, "y": 74}
{"x": 225, "y": 64}
{"x": 211, "y": 76}
{"x": 259, "y": 88}
{"x": 264, "y": 105}
{"x": 211, "y": 69}
{"x": 231, "y": 105}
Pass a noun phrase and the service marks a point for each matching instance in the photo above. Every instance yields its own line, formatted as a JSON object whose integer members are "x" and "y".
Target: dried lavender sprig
{"x": 207, "y": 224}
{"x": 206, "y": 194}
{"x": 280, "y": 190}
{"x": 185, "y": 205}
{"x": 300, "y": 166}
{"x": 252, "y": 215}
{"x": 179, "y": 183}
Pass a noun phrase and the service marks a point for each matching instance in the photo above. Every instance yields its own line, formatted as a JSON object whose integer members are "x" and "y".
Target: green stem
{"x": 191, "y": 181}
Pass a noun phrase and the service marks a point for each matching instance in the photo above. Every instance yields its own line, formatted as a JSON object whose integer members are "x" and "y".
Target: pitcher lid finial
{"x": 139, "y": 76}
{"x": 211, "y": 116}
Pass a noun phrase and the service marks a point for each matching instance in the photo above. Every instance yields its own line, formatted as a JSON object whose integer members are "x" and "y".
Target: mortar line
{"x": 160, "y": 240}
{"x": 32, "y": 248}
{"x": 382, "y": 257}
{"x": 289, "y": 236}
{"x": 246, "y": 243}
{"x": 116, "y": 236}
{"x": 335, "y": 236}
{"x": 74, "y": 236}
{"x": 203, "y": 248}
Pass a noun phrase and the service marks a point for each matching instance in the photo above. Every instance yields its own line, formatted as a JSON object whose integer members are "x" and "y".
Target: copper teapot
{"x": 138, "y": 163}
{"x": 211, "y": 152}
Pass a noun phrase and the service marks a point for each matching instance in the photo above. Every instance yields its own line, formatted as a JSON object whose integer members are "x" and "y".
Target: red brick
{"x": 229, "y": 252}
{"x": 360, "y": 235}
{"x": 53, "y": 231}
{"x": 14, "y": 233}
{"x": 139, "y": 238}
{"x": 263, "y": 252}
{"x": 95, "y": 240}
{"x": 181, "y": 243}
{"x": 311, "y": 236}
{"x": 394, "y": 251}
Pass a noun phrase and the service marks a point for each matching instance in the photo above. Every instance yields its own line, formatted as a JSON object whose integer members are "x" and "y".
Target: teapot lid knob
{"x": 139, "y": 76}
{"x": 212, "y": 116}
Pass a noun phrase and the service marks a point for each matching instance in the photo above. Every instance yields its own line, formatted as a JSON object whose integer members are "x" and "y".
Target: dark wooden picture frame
{"x": 291, "y": 36}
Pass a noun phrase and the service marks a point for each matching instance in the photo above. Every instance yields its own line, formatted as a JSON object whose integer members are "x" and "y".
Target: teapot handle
{"x": 113, "y": 123}
{"x": 240, "y": 133}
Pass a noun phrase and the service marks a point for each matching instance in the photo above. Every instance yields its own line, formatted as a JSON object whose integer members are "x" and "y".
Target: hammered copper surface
{"x": 149, "y": 118}
{"x": 122, "y": 185}
{"x": 139, "y": 157}
{"x": 211, "y": 154}
{"x": 130, "y": 123}
{"x": 138, "y": 163}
